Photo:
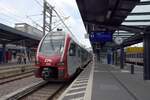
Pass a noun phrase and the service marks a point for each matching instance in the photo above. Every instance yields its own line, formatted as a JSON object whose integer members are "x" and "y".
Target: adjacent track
{"x": 39, "y": 91}
{"x": 16, "y": 77}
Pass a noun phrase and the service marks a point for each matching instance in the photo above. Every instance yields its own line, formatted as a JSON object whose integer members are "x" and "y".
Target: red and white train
{"x": 59, "y": 56}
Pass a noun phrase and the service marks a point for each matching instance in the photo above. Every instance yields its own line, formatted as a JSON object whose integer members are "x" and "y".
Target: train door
{"x": 79, "y": 56}
{"x": 72, "y": 58}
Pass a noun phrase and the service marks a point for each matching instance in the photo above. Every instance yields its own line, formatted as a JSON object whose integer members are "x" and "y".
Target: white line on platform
{"x": 97, "y": 71}
{"x": 80, "y": 98}
{"x": 70, "y": 87}
{"x": 125, "y": 71}
{"x": 81, "y": 80}
{"x": 70, "y": 94}
{"x": 76, "y": 88}
{"x": 79, "y": 84}
{"x": 88, "y": 93}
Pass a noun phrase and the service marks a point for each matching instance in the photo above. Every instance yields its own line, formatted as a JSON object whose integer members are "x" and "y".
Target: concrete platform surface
{"x": 107, "y": 82}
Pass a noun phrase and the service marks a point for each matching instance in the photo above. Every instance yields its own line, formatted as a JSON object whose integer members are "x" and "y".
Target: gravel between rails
{"x": 44, "y": 93}
{"x": 18, "y": 84}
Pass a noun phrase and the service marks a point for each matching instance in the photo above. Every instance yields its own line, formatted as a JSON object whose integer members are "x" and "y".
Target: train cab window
{"x": 52, "y": 44}
{"x": 72, "y": 50}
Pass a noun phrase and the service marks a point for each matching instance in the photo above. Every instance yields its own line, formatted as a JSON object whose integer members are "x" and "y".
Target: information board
{"x": 100, "y": 37}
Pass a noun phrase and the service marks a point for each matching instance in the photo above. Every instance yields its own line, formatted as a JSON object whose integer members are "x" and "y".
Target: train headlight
{"x": 61, "y": 64}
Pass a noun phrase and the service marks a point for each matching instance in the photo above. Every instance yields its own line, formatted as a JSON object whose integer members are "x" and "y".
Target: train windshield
{"x": 53, "y": 44}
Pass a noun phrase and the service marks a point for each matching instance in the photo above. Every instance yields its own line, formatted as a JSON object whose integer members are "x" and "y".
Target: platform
{"x": 107, "y": 82}
{"x": 14, "y": 65}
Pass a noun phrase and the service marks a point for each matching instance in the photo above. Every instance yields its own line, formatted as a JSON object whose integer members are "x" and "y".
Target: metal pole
{"x": 146, "y": 56}
{"x": 122, "y": 58}
{"x": 132, "y": 69}
{"x": 50, "y": 23}
{"x": 115, "y": 57}
{"x": 44, "y": 16}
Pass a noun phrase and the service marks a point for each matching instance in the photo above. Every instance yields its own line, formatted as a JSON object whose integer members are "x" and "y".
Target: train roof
{"x": 134, "y": 49}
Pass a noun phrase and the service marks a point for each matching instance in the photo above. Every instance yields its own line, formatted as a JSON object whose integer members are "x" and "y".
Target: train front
{"x": 50, "y": 57}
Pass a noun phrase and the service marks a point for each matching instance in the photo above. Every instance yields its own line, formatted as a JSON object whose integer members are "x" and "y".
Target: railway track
{"x": 47, "y": 92}
{"x": 38, "y": 91}
{"x": 16, "y": 77}
{"x": 12, "y": 72}
{"x": 15, "y": 66}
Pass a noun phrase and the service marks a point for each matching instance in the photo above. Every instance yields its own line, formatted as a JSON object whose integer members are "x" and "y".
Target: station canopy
{"x": 126, "y": 19}
{"x": 10, "y": 35}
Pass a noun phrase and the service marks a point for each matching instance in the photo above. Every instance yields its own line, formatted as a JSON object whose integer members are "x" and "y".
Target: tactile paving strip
{"x": 78, "y": 88}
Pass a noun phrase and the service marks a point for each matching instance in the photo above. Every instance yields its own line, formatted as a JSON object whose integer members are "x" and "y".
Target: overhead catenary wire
{"x": 73, "y": 36}
{"x": 19, "y": 18}
{"x": 59, "y": 23}
{"x": 35, "y": 15}
{"x": 38, "y": 3}
{"x": 34, "y": 21}
{"x": 22, "y": 18}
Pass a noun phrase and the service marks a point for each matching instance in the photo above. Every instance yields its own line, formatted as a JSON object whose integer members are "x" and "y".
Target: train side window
{"x": 139, "y": 55}
{"x": 72, "y": 50}
{"x": 142, "y": 55}
{"x": 79, "y": 52}
{"x": 132, "y": 55}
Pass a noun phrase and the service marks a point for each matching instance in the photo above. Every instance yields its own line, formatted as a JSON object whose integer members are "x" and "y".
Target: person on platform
{"x": 24, "y": 59}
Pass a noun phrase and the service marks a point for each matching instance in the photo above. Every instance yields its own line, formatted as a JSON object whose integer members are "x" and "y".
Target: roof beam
{"x": 144, "y": 3}
{"x": 139, "y": 13}
{"x": 144, "y": 20}
{"x": 132, "y": 29}
{"x": 133, "y": 40}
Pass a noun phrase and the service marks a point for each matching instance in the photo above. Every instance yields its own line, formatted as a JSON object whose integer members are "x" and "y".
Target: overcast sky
{"x": 18, "y": 11}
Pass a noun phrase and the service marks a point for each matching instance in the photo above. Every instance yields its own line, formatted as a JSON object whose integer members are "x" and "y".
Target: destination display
{"x": 100, "y": 37}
